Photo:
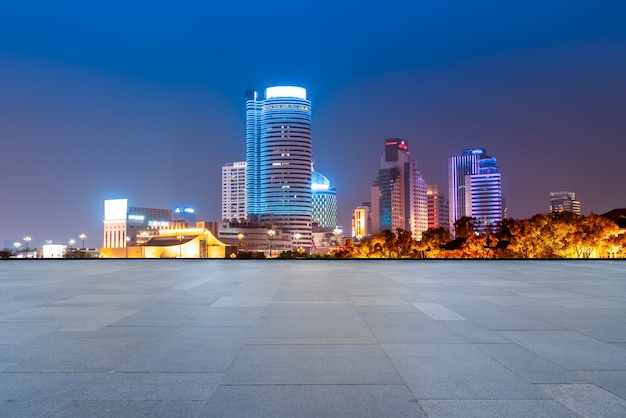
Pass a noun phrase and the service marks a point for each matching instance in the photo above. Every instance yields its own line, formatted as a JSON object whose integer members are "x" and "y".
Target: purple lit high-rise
{"x": 475, "y": 189}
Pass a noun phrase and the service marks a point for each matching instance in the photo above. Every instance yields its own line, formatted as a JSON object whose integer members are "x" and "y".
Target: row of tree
{"x": 560, "y": 235}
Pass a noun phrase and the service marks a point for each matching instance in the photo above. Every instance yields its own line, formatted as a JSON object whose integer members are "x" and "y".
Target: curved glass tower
{"x": 324, "y": 201}
{"x": 278, "y": 156}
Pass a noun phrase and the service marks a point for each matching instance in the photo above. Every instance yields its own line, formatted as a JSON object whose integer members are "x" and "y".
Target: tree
{"x": 618, "y": 246}
{"x": 591, "y": 235}
{"x": 464, "y": 226}
{"x": 404, "y": 243}
{"x": 433, "y": 238}
{"x": 479, "y": 246}
{"x": 526, "y": 237}
{"x": 562, "y": 235}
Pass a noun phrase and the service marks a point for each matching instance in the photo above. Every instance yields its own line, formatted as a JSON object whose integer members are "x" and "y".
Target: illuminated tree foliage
{"x": 385, "y": 245}
{"x": 562, "y": 235}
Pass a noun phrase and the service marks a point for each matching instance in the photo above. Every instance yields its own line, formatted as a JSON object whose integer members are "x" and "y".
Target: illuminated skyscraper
{"x": 278, "y": 156}
{"x": 361, "y": 221}
{"x": 234, "y": 191}
{"x": 475, "y": 189}
{"x": 399, "y": 198}
{"x": 438, "y": 208}
{"x": 324, "y": 201}
{"x": 564, "y": 202}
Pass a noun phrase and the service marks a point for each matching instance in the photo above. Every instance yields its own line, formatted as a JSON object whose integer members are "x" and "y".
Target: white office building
{"x": 234, "y": 191}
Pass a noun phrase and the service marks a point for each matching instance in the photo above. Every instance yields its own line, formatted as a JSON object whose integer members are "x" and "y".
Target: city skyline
{"x": 146, "y": 102}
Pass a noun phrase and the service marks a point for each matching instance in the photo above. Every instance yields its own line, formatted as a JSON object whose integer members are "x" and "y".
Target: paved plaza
{"x": 311, "y": 338}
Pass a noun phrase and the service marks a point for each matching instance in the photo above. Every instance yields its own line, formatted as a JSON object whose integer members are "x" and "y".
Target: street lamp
{"x": 71, "y": 242}
{"x": 83, "y": 236}
{"x": 17, "y": 244}
{"x": 127, "y": 240}
{"x": 297, "y": 237}
{"x": 27, "y": 240}
{"x": 240, "y": 238}
{"x": 336, "y": 233}
{"x": 270, "y": 235}
{"x": 180, "y": 246}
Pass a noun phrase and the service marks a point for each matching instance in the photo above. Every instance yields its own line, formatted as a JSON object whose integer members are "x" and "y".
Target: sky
{"x": 145, "y": 99}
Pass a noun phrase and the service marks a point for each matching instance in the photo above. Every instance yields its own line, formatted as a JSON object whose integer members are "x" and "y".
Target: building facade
{"x": 234, "y": 191}
{"x": 361, "y": 221}
{"x": 324, "y": 201}
{"x": 438, "y": 208}
{"x": 564, "y": 202}
{"x": 475, "y": 189}
{"x": 255, "y": 238}
{"x": 178, "y": 242}
{"x": 399, "y": 193}
{"x": 124, "y": 224}
{"x": 278, "y": 157}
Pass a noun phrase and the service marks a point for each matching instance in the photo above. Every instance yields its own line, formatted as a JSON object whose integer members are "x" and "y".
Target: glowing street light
{"x": 336, "y": 232}
{"x": 240, "y": 238}
{"x": 180, "y": 246}
{"x": 297, "y": 237}
{"x": 17, "y": 244}
{"x": 270, "y": 235}
{"x": 83, "y": 236}
{"x": 127, "y": 239}
{"x": 27, "y": 240}
{"x": 71, "y": 242}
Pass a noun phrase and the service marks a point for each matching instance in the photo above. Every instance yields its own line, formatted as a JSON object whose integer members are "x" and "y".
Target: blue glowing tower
{"x": 278, "y": 157}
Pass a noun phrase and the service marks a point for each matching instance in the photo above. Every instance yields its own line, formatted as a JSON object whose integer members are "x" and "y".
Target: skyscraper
{"x": 278, "y": 157}
{"x": 234, "y": 191}
{"x": 361, "y": 221}
{"x": 564, "y": 202}
{"x": 475, "y": 189}
{"x": 438, "y": 208}
{"x": 324, "y": 201}
{"x": 399, "y": 198}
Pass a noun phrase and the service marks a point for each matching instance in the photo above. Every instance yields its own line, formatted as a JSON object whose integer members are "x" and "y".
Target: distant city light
{"x": 184, "y": 210}
{"x": 158, "y": 224}
{"x": 318, "y": 186}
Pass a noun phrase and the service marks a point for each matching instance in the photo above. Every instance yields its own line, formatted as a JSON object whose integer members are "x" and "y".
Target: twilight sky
{"x": 145, "y": 99}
